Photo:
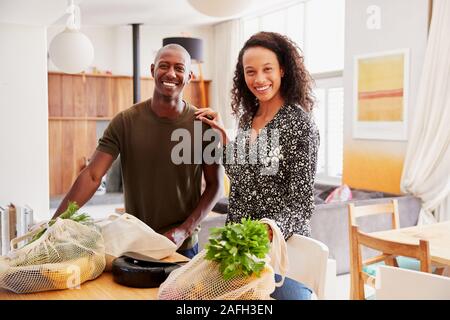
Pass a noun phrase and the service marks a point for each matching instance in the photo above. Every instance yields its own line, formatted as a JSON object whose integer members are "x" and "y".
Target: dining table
{"x": 101, "y": 288}
{"x": 437, "y": 234}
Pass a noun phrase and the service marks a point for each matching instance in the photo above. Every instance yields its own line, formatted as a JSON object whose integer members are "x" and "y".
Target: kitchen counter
{"x": 101, "y": 288}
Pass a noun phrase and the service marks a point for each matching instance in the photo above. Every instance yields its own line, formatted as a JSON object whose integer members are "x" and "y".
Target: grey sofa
{"x": 329, "y": 224}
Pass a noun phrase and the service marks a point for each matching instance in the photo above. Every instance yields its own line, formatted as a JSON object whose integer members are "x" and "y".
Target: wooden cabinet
{"x": 76, "y": 104}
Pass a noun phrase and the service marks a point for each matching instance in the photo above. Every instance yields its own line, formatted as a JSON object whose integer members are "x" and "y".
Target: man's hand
{"x": 177, "y": 235}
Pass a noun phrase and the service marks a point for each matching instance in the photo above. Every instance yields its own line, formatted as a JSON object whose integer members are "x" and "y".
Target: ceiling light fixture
{"x": 71, "y": 51}
{"x": 220, "y": 8}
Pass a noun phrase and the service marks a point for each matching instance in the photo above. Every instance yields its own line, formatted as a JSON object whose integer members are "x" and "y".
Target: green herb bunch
{"x": 239, "y": 248}
{"x": 70, "y": 213}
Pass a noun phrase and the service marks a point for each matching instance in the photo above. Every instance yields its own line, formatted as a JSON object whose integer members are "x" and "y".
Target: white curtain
{"x": 227, "y": 43}
{"x": 426, "y": 172}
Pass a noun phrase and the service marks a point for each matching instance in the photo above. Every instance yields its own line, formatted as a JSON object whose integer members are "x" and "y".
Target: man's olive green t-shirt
{"x": 157, "y": 191}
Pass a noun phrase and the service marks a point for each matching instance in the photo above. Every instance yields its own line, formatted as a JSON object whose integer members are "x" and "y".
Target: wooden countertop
{"x": 101, "y": 288}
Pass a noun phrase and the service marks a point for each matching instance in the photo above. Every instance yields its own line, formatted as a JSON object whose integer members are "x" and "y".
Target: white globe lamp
{"x": 71, "y": 51}
{"x": 221, "y": 8}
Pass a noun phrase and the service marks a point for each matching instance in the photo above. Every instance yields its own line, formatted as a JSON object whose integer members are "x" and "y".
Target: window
{"x": 317, "y": 26}
{"x": 250, "y": 26}
{"x": 285, "y": 21}
{"x": 329, "y": 117}
{"x": 324, "y": 35}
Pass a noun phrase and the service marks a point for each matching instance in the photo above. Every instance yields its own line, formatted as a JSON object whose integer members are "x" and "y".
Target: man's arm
{"x": 87, "y": 181}
{"x": 213, "y": 174}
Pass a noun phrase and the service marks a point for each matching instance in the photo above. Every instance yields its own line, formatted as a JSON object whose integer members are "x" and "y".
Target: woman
{"x": 277, "y": 142}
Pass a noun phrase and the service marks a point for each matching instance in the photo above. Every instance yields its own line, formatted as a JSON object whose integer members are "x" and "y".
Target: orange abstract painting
{"x": 380, "y": 88}
{"x": 380, "y": 95}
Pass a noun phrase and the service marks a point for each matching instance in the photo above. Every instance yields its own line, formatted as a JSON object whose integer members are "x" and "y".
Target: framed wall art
{"x": 380, "y": 101}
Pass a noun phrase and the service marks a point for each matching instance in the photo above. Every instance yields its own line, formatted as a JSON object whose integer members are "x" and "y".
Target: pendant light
{"x": 71, "y": 51}
{"x": 221, "y": 8}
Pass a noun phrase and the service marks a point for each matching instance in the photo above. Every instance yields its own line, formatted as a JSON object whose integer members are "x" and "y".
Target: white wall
{"x": 114, "y": 47}
{"x": 377, "y": 164}
{"x": 24, "y": 173}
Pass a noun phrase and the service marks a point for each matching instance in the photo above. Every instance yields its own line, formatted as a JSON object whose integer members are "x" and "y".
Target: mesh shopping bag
{"x": 126, "y": 233}
{"x": 66, "y": 255}
{"x": 201, "y": 279}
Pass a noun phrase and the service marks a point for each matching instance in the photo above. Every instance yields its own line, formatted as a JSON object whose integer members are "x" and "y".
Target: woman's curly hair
{"x": 296, "y": 84}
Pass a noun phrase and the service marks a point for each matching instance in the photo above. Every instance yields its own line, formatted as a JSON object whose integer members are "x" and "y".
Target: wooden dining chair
{"x": 390, "y": 250}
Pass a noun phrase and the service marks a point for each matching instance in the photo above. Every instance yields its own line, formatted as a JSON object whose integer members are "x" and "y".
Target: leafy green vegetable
{"x": 70, "y": 213}
{"x": 239, "y": 248}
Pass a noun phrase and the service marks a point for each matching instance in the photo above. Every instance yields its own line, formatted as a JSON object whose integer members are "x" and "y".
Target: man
{"x": 165, "y": 195}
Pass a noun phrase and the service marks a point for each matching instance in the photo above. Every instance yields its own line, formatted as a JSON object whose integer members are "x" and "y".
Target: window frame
{"x": 328, "y": 80}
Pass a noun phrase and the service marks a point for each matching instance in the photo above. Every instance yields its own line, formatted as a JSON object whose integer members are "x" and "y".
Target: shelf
{"x": 81, "y": 118}
{"x": 96, "y": 75}
{"x": 109, "y": 76}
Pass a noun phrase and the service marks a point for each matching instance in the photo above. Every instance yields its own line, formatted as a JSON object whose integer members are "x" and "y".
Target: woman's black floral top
{"x": 274, "y": 179}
